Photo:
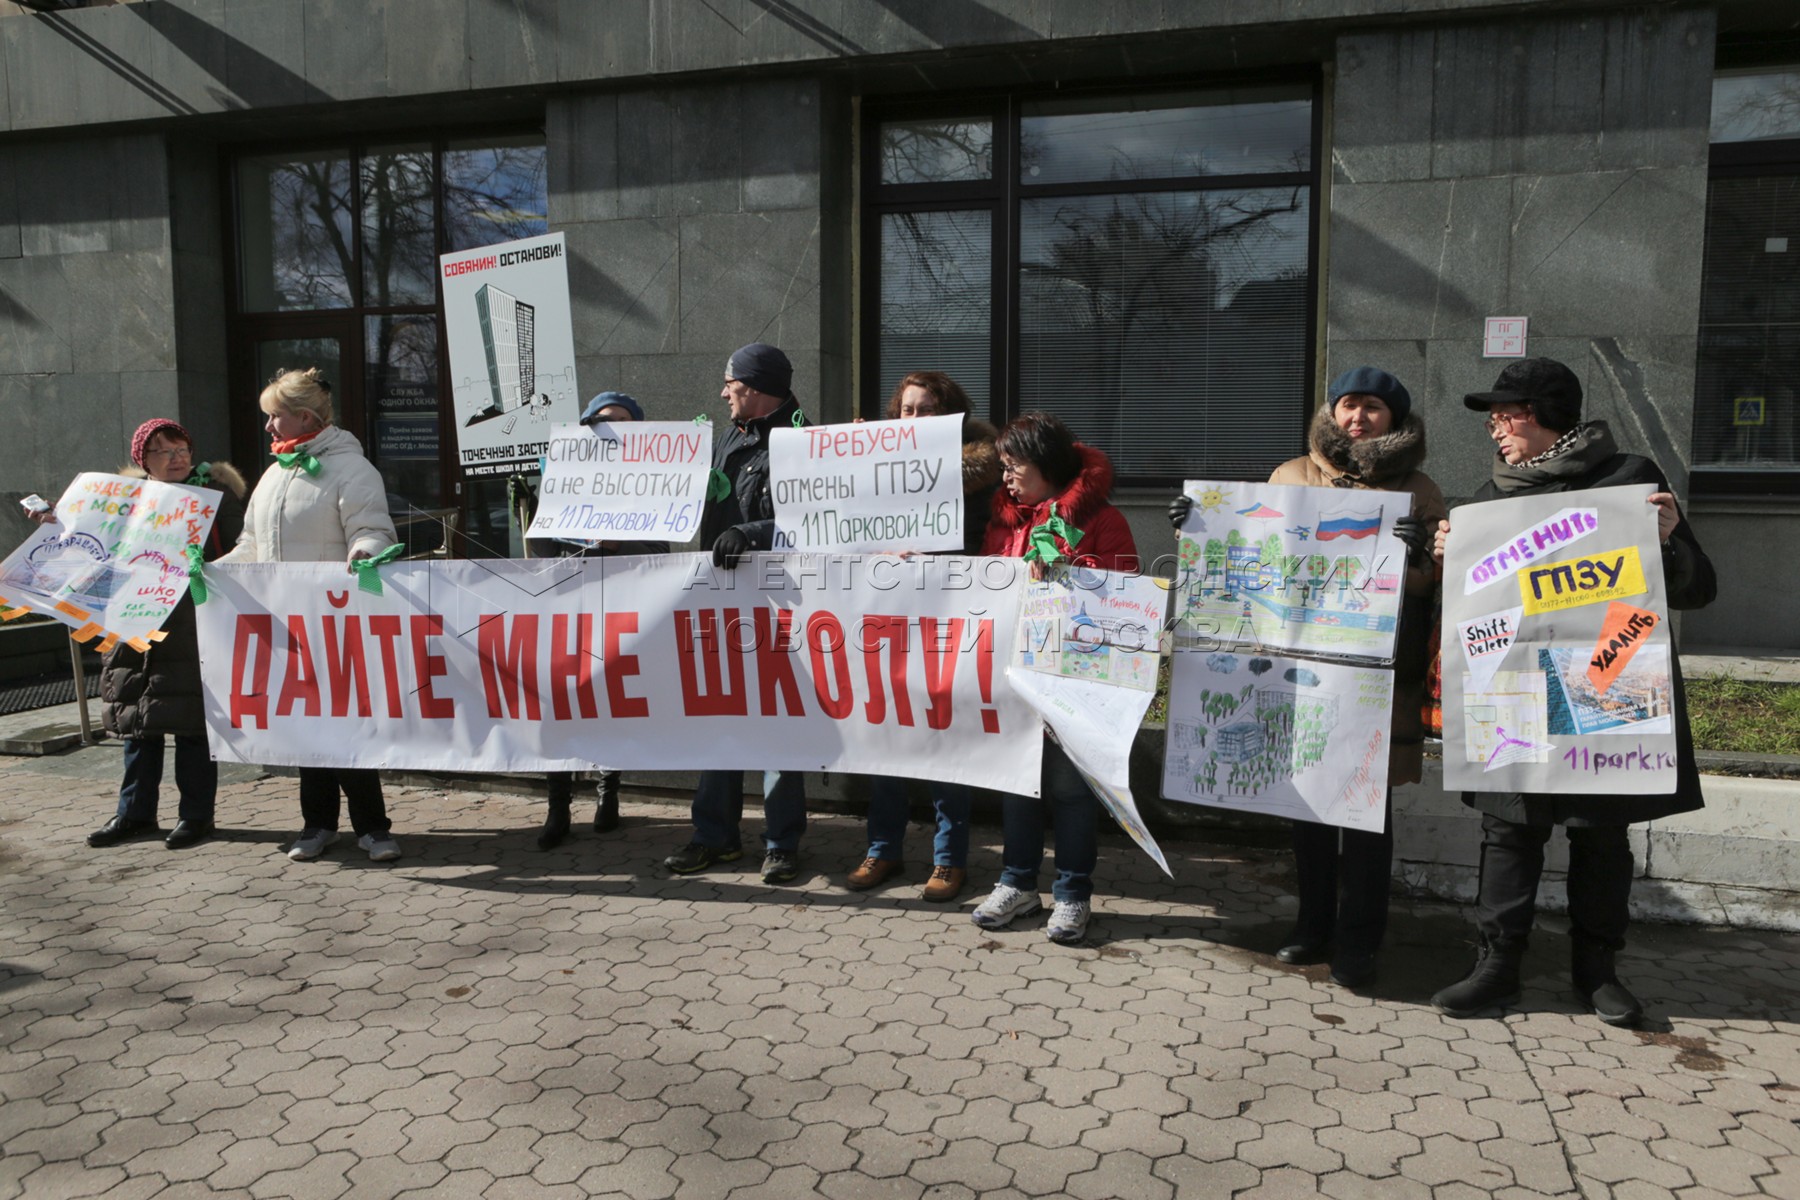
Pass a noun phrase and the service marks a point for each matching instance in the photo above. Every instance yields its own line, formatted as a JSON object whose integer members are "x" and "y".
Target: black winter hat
{"x": 1551, "y": 389}
{"x": 763, "y": 367}
{"x": 1373, "y": 381}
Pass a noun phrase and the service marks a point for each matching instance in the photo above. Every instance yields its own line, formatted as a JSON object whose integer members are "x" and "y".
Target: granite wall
{"x": 700, "y": 219}
{"x": 1553, "y": 168}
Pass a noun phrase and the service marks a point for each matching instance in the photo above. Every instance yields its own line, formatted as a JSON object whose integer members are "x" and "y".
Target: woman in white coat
{"x": 321, "y": 501}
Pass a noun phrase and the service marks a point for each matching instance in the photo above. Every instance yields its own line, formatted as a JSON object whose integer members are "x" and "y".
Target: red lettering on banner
{"x": 893, "y": 631}
{"x": 428, "y": 666}
{"x": 774, "y": 662}
{"x": 300, "y": 681}
{"x": 619, "y": 667}
{"x": 939, "y": 645}
{"x": 253, "y": 631}
{"x": 825, "y": 636}
{"x": 984, "y": 675}
{"x": 718, "y": 699}
{"x": 386, "y": 630}
{"x": 345, "y": 667}
{"x": 577, "y": 664}
{"x": 504, "y": 660}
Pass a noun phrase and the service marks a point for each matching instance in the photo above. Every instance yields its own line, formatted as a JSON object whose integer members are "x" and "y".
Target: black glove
{"x": 731, "y": 546}
{"x": 1179, "y": 508}
{"x": 1415, "y": 534}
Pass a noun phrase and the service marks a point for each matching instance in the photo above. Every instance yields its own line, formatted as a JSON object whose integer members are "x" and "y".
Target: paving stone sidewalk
{"x": 483, "y": 1019}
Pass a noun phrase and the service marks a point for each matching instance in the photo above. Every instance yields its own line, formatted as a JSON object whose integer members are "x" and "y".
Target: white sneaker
{"x": 1003, "y": 904}
{"x": 311, "y": 843}
{"x": 381, "y": 846}
{"x": 1069, "y": 920}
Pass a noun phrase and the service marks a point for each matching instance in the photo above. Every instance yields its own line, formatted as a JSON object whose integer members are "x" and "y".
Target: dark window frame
{"x": 246, "y": 328}
{"x": 1003, "y": 193}
{"x": 1744, "y": 160}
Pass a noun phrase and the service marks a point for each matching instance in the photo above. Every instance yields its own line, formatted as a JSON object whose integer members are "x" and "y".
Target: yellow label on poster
{"x": 1590, "y": 579}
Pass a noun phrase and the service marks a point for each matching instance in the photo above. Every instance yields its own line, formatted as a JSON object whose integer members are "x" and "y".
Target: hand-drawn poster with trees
{"x": 1281, "y": 689}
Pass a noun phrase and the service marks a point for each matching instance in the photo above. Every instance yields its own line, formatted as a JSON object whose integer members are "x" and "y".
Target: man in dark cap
{"x": 1543, "y": 445}
{"x": 759, "y": 395}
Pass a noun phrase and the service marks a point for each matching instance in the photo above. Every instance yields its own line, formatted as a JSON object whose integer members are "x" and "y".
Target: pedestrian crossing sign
{"x": 1747, "y": 410}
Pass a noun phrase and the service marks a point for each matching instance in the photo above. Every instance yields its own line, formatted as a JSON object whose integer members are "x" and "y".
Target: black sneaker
{"x": 781, "y": 866}
{"x": 694, "y": 857}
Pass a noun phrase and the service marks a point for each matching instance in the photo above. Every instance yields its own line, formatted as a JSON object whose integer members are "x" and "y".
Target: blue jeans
{"x": 1076, "y": 814}
{"x": 887, "y": 821}
{"x": 719, "y": 810}
{"x": 196, "y": 778}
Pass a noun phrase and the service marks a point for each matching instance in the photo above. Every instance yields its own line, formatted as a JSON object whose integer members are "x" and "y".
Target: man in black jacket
{"x": 1534, "y": 417}
{"x": 759, "y": 394}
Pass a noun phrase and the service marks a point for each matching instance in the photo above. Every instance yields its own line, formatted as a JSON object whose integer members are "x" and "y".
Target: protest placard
{"x": 1086, "y": 659}
{"x": 881, "y": 485}
{"x": 512, "y": 351}
{"x": 1281, "y": 567}
{"x": 1289, "y": 737}
{"x": 791, "y": 662}
{"x": 624, "y": 481}
{"x": 116, "y": 562}
{"x": 1557, "y": 665}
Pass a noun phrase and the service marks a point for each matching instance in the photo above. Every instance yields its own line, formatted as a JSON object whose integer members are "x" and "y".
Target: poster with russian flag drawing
{"x": 1310, "y": 570}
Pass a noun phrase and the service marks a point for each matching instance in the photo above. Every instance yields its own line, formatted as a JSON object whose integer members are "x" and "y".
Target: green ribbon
{"x": 1042, "y": 538}
{"x": 301, "y": 459}
{"x": 717, "y": 486}
{"x": 196, "y": 558}
{"x": 202, "y": 475}
{"x": 368, "y": 576}
{"x": 799, "y": 419}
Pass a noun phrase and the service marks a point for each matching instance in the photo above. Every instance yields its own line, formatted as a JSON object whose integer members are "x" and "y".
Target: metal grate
{"x": 43, "y": 692}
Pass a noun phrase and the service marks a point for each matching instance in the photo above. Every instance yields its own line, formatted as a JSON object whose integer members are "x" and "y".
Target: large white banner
{"x": 1312, "y": 570}
{"x": 1556, "y": 653}
{"x": 877, "y": 666}
{"x": 879, "y": 485}
{"x": 512, "y": 351}
{"x": 115, "y": 564}
{"x": 624, "y": 481}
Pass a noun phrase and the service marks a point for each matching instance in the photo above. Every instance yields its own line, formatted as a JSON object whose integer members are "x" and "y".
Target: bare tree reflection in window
{"x": 494, "y": 192}
{"x": 936, "y": 151}
{"x": 936, "y": 297}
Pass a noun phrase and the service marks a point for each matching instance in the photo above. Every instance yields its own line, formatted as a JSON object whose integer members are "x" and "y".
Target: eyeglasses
{"x": 166, "y": 455}
{"x": 1495, "y": 420}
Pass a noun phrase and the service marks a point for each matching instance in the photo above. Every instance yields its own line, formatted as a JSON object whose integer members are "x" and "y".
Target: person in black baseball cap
{"x": 1543, "y": 446}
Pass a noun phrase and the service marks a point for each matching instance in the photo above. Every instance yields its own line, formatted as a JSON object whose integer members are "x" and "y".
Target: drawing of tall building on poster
{"x": 508, "y": 335}
{"x": 512, "y": 351}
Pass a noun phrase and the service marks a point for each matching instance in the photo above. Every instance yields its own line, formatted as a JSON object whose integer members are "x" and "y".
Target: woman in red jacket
{"x": 1044, "y": 468}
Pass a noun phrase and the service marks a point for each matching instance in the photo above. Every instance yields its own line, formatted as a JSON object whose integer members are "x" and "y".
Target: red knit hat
{"x": 150, "y": 429}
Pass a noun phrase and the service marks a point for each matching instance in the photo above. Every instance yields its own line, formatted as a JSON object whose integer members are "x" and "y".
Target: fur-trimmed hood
{"x": 1373, "y": 462}
{"x": 980, "y": 458}
{"x": 1077, "y": 503}
{"x": 220, "y": 475}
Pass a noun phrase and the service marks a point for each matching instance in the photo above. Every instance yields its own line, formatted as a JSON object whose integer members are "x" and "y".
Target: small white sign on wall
{"x": 1505, "y": 338}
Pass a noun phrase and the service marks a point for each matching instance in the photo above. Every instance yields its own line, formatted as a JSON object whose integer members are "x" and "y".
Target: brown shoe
{"x": 945, "y": 884}
{"x": 873, "y": 873}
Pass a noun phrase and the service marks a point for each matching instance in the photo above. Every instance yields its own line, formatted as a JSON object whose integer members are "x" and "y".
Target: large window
{"x": 1139, "y": 264}
{"x": 337, "y": 267}
{"x": 1746, "y": 438}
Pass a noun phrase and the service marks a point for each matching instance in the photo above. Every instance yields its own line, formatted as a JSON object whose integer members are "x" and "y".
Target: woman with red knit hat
{"x": 155, "y": 692}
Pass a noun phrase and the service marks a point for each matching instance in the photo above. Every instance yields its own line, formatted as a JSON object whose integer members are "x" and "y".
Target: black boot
{"x": 556, "y": 824}
{"x": 1493, "y": 983}
{"x": 606, "y": 813}
{"x": 1597, "y": 984}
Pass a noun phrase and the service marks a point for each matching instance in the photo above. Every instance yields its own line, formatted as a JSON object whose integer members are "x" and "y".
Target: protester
{"x": 1365, "y": 436}
{"x": 759, "y": 397}
{"x": 933, "y": 394}
{"x": 155, "y": 692}
{"x": 321, "y": 501}
{"x": 606, "y": 407}
{"x": 1534, "y": 417}
{"x": 1052, "y": 482}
